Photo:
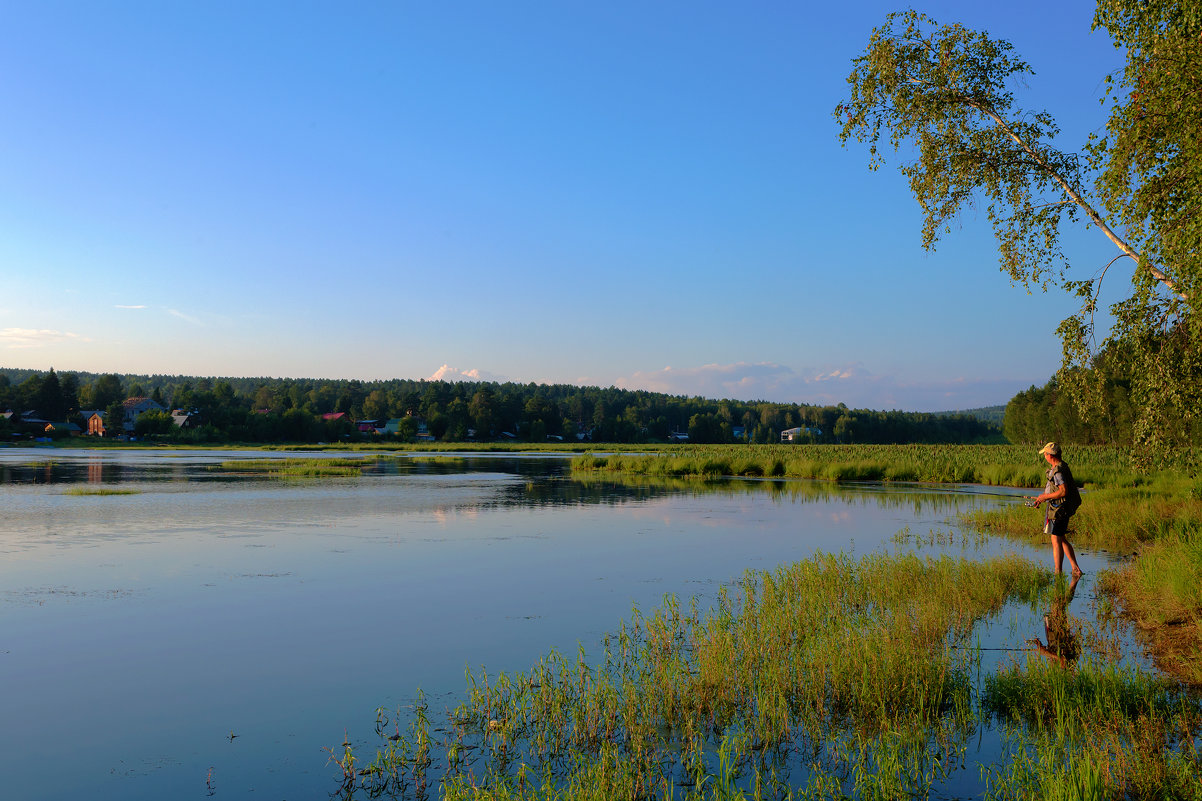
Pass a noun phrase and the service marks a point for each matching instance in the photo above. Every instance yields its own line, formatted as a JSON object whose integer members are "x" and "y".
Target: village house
{"x": 798, "y": 434}
{"x": 183, "y": 419}
{"x": 93, "y": 420}
{"x": 135, "y": 408}
{"x": 31, "y": 418}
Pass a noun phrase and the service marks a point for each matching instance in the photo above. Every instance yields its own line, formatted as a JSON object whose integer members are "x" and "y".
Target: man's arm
{"x": 1060, "y": 491}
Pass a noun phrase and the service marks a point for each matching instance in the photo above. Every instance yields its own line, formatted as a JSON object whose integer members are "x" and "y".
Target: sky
{"x": 641, "y": 195}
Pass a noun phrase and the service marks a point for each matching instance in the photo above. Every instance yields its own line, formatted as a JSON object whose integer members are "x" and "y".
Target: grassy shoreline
{"x": 997, "y": 465}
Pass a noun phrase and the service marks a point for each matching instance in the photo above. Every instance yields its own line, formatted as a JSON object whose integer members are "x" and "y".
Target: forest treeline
{"x": 292, "y": 410}
{"x": 1047, "y": 413}
{"x": 1104, "y": 406}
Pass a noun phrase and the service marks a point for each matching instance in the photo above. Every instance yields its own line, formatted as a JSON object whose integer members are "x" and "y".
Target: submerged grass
{"x": 832, "y": 675}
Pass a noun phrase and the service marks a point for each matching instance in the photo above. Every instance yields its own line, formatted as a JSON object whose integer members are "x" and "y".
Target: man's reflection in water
{"x": 1063, "y": 645}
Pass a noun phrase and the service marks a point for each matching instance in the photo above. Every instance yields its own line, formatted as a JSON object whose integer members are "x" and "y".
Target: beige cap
{"x": 1051, "y": 448}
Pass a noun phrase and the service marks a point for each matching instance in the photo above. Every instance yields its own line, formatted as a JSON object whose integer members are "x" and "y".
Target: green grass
{"x": 829, "y": 678}
{"x": 1161, "y": 591}
{"x": 1115, "y": 519}
{"x": 1096, "y": 731}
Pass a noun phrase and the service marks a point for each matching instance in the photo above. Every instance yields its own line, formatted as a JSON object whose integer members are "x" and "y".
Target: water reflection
{"x": 390, "y": 485}
{"x": 920, "y": 498}
{"x": 1062, "y": 640}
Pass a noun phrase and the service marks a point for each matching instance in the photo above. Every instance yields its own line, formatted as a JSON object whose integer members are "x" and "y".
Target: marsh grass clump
{"x": 1094, "y": 731}
{"x": 100, "y": 491}
{"x": 860, "y": 665}
{"x": 299, "y": 468}
{"x": 457, "y": 461}
{"x": 1161, "y": 591}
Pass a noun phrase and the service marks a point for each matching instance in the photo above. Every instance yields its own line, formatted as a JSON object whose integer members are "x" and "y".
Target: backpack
{"x": 1072, "y": 497}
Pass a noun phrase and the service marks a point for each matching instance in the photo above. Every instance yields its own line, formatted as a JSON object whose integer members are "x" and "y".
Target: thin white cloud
{"x": 184, "y": 317}
{"x": 37, "y": 337}
{"x": 741, "y": 380}
{"x": 124, "y": 306}
{"x": 449, "y": 373}
{"x": 849, "y": 384}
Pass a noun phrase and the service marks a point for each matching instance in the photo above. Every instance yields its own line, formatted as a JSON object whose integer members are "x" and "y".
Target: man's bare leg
{"x": 1072, "y": 557}
{"x": 1060, "y": 548}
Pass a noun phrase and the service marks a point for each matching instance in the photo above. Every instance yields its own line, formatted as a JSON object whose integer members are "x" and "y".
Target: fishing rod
{"x": 942, "y": 489}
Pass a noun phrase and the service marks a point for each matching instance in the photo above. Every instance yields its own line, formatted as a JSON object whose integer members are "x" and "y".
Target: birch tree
{"x": 942, "y": 96}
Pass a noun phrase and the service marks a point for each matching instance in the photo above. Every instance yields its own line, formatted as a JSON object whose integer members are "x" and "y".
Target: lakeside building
{"x": 799, "y": 433}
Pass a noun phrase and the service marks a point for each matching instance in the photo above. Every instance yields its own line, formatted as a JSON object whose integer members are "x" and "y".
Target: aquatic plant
{"x": 436, "y": 459}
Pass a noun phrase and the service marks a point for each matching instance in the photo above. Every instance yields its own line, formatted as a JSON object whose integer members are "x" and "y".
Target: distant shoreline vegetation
{"x": 196, "y": 410}
{"x": 998, "y": 465}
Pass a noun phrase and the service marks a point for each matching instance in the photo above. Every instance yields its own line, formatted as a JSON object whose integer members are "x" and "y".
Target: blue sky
{"x": 645, "y": 195}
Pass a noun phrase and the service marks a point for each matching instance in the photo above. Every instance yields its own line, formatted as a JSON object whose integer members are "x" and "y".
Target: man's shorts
{"x": 1058, "y": 527}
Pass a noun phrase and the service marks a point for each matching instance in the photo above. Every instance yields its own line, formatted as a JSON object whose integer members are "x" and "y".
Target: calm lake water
{"x": 210, "y": 634}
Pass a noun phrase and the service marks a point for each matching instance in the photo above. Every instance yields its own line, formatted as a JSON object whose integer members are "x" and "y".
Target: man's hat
{"x": 1051, "y": 448}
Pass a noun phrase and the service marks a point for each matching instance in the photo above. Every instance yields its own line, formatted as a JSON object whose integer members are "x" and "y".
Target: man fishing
{"x": 1063, "y": 501}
